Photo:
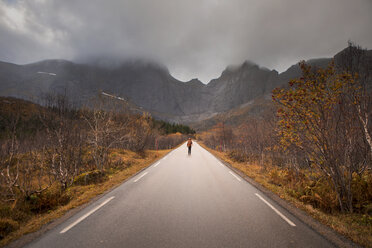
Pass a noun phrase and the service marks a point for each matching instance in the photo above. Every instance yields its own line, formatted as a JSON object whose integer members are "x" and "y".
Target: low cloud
{"x": 194, "y": 39}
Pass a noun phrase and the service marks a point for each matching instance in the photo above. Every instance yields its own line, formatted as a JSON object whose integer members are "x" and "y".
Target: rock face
{"x": 241, "y": 84}
{"x": 146, "y": 84}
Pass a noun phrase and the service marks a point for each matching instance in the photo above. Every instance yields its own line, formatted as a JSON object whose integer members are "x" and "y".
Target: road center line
{"x": 235, "y": 176}
{"x": 276, "y": 211}
{"x": 86, "y": 215}
{"x": 157, "y": 164}
{"x": 144, "y": 174}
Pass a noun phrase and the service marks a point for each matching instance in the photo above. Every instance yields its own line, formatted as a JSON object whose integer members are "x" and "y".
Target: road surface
{"x": 183, "y": 201}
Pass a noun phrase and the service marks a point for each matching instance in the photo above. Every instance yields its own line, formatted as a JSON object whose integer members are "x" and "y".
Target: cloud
{"x": 192, "y": 38}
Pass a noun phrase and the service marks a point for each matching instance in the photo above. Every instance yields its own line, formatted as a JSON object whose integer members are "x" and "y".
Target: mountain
{"x": 262, "y": 106}
{"x": 238, "y": 85}
{"x": 148, "y": 85}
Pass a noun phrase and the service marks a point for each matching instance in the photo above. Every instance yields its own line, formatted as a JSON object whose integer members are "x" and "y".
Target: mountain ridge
{"x": 147, "y": 84}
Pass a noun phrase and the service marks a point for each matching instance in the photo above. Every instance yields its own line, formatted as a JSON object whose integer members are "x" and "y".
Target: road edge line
{"x": 66, "y": 229}
{"x": 139, "y": 178}
{"x": 276, "y": 210}
{"x": 236, "y": 177}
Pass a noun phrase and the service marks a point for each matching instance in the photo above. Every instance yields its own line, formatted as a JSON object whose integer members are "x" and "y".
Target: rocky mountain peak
{"x": 147, "y": 84}
{"x": 195, "y": 82}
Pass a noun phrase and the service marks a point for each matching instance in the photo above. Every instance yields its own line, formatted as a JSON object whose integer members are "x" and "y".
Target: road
{"x": 183, "y": 201}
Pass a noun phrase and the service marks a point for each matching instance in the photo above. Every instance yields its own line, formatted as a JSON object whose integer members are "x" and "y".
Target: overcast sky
{"x": 193, "y": 38}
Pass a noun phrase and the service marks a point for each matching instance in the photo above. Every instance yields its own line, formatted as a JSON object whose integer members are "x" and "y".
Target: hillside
{"x": 23, "y": 115}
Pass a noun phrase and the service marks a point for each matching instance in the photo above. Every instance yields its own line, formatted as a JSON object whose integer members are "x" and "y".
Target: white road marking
{"x": 276, "y": 211}
{"x": 157, "y": 164}
{"x": 144, "y": 174}
{"x": 86, "y": 215}
{"x": 235, "y": 176}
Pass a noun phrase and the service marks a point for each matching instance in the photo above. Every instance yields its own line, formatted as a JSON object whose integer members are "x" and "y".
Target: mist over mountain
{"x": 146, "y": 84}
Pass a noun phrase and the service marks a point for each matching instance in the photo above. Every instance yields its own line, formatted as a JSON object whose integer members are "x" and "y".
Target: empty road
{"x": 183, "y": 201}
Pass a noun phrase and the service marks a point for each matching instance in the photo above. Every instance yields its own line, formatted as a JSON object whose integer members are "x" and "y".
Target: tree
{"x": 62, "y": 151}
{"x": 255, "y": 137}
{"x": 9, "y": 164}
{"x": 317, "y": 117}
{"x": 107, "y": 127}
{"x": 353, "y": 61}
{"x": 34, "y": 175}
{"x": 140, "y": 131}
{"x": 222, "y": 136}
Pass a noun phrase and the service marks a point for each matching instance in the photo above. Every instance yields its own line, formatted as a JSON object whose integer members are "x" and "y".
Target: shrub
{"x": 275, "y": 176}
{"x": 237, "y": 156}
{"x": 90, "y": 177}
{"x": 15, "y": 213}
{"x": 7, "y": 226}
{"x": 362, "y": 193}
{"x": 48, "y": 200}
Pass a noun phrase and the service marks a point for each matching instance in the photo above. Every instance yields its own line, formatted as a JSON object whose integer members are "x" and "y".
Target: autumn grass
{"x": 81, "y": 194}
{"x": 357, "y": 227}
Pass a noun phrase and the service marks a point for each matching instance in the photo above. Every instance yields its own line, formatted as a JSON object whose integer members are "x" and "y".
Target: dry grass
{"x": 357, "y": 227}
{"x": 83, "y": 194}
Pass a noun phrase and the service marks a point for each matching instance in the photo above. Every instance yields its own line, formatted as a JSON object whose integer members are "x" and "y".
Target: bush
{"x": 237, "y": 156}
{"x": 368, "y": 209}
{"x": 320, "y": 195}
{"x": 5, "y": 211}
{"x": 7, "y": 226}
{"x": 276, "y": 176}
{"x": 308, "y": 188}
{"x": 14, "y": 213}
{"x": 362, "y": 193}
{"x": 90, "y": 177}
{"x": 48, "y": 200}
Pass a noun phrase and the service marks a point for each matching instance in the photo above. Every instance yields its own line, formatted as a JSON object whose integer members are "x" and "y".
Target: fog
{"x": 194, "y": 38}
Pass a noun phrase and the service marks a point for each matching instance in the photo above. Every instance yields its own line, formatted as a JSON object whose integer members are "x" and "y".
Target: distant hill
{"x": 258, "y": 108}
{"x": 146, "y": 85}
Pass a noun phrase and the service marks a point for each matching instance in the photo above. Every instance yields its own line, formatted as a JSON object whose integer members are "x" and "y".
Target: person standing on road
{"x": 189, "y": 144}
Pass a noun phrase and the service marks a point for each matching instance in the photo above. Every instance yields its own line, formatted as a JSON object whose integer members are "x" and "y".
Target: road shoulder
{"x": 29, "y": 237}
{"x": 327, "y": 232}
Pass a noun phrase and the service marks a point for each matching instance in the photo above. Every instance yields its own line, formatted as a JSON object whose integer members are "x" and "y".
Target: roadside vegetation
{"x": 314, "y": 147}
{"x": 55, "y": 157}
{"x": 173, "y": 127}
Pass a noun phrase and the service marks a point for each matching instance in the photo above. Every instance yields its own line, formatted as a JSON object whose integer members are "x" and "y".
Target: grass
{"x": 83, "y": 194}
{"x": 357, "y": 227}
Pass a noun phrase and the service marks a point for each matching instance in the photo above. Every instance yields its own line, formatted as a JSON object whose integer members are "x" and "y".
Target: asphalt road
{"x": 183, "y": 201}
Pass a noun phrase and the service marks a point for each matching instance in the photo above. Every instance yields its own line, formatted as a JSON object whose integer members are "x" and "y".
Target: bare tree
{"x": 354, "y": 60}
{"x": 140, "y": 131}
{"x": 223, "y": 136}
{"x": 107, "y": 127}
{"x": 255, "y": 136}
{"x": 9, "y": 169}
{"x": 33, "y": 176}
{"x": 63, "y": 148}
